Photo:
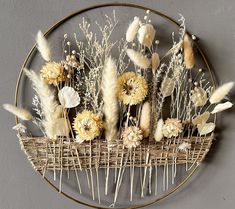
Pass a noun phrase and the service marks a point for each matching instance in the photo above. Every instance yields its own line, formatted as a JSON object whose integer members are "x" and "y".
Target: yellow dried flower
{"x": 199, "y": 96}
{"x": 132, "y": 88}
{"x": 132, "y": 136}
{"x": 53, "y": 73}
{"x": 87, "y": 125}
{"x": 172, "y": 127}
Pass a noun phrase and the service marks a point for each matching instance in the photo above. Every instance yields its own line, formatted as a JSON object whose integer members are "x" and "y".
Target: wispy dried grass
{"x": 189, "y": 58}
{"x": 21, "y": 113}
{"x": 43, "y": 46}
{"x": 132, "y": 30}
{"x": 138, "y": 59}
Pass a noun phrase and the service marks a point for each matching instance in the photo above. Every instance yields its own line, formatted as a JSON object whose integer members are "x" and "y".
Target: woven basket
{"x": 65, "y": 154}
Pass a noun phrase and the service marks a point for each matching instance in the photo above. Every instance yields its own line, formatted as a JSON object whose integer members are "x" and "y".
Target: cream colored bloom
{"x": 87, "y": 125}
{"x": 132, "y": 88}
{"x": 53, "y": 73}
{"x": 172, "y": 127}
{"x": 199, "y": 97}
{"x": 132, "y": 136}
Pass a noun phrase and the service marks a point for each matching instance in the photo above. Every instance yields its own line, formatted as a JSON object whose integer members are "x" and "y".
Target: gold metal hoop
{"x": 33, "y": 50}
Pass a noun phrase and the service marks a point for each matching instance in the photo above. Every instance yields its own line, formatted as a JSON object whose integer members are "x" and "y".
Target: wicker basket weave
{"x": 65, "y": 154}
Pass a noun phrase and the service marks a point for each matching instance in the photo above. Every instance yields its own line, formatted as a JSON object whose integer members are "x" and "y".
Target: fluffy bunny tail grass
{"x": 21, "y": 113}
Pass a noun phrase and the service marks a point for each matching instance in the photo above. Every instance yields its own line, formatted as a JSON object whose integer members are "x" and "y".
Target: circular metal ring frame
{"x": 51, "y": 29}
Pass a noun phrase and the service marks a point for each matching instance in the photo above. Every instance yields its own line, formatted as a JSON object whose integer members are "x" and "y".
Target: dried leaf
{"x": 205, "y": 128}
{"x": 222, "y": 107}
{"x": 201, "y": 119}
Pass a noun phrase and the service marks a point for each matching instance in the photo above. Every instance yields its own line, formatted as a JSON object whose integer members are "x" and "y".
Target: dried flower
{"x": 185, "y": 146}
{"x": 145, "y": 119}
{"x": 167, "y": 87}
{"x": 68, "y": 97}
{"x": 221, "y": 92}
{"x": 155, "y": 61}
{"x": 158, "y": 135}
{"x": 132, "y": 88}
{"x": 53, "y": 73}
{"x": 43, "y": 47}
{"x": 138, "y": 59}
{"x": 70, "y": 61}
{"x": 132, "y": 136}
{"x": 199, "y": 96}
{"x": 201, "y": 119}
{"x": 205, "y": 128}
{"x": 172, "y": 127}
{"x": 132, "y": 30}
{"x": 189, "y": 59}
{"x": 222, "y": 107}
{"x": 146, "y": 35}
{"x": 21, "y": 113}
{"x": 87, "y": 125}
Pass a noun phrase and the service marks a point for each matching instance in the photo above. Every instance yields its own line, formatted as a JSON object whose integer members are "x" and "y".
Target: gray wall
{"x": 212, "y": 21}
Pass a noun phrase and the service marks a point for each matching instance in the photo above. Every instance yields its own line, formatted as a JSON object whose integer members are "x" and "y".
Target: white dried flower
{"x": 145, "y": 119}
{"x": 158, "y": 135}
{"x": 167, "y": 87}
{"x": 172, "y": 127}
{"x": 221, "y": 92}
{"x": 146, "y": 35}
{"x": 138, "y": 59}
{"x": 222, "y": 107}
{"x": 155, "y": 61}
{"x": 199, "y": 96}
{"x": 132, "y": 30}
{"x": 185, "y": 146}
{"x": 205, "y": 128}
{"x": 68, "y": 97}
{"x": 20, "y": 127}
{"x": 132, "y": 136}
{"x": 201, "y": 119}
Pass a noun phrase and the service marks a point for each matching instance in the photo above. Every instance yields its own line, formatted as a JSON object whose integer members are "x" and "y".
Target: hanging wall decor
{"x": 119, "y": 109}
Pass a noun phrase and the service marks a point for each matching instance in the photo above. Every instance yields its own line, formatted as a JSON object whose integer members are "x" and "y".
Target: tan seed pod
{"x": 189, "y": 58}
{"x": 155, "y": 61}
{"x": 167, "y": 87}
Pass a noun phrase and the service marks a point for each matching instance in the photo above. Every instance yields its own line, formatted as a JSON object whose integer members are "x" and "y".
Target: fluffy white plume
{"x": 222, "y": 107}
{"x": 21, "y": 113}
{"x": 205, "y": 128}
{"x": 146, "y": 35}
{"x": 50, "y": 107}
{"x": 109, "y": 87}
{"x": 158, "y": 135}
{"x": 132, "y": 30}
{"x": 43, "y": 46}
{"x": 145, "y": 119}
{"x": 68, "y": 97}
{"x": 138, "y": 59}
{"x": 155, "y": 61}
{"x": 221, "y": 92}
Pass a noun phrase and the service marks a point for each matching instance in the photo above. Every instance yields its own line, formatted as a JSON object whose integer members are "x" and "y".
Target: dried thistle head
{"x": 172, "y": 127}
{"x": 87, "y": 125}
{"x": 132, "y": 137}
{"x": 131, "y": 88}
{"x": 52, "y": 73}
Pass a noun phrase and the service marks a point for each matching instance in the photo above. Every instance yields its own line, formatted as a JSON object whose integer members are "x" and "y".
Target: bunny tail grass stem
{"x": 43, "y": 46}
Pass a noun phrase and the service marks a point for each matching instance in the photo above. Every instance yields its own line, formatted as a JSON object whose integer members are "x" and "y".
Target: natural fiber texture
{"x": 46, "y": 154}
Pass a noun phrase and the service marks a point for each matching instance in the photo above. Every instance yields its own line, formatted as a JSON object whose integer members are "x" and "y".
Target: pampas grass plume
{"x": 145, "y": 119}
{"x": 221, "y": 92}
{"x": 109, "y": 87}
{"x": 158, "y": 135}
{"x": 132, "y": 30}
{"x": 138, "y": 59}
{"x": 21, "y": 113}
{"x": 189, "y": 59}
{"x": 43, "y": 46}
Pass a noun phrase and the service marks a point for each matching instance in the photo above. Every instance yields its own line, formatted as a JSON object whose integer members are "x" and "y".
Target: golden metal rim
{"x": 60, "y": 22}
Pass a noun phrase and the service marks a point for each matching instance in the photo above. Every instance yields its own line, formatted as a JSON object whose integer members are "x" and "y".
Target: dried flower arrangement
{"x": 139, "y": 109}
